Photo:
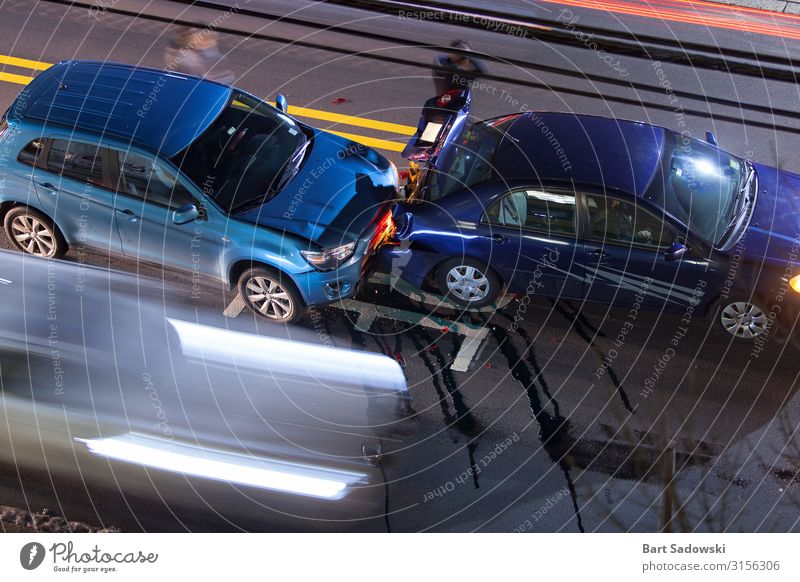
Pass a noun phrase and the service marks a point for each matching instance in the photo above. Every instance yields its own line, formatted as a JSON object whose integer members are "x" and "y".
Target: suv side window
{"x": 547, "y": 212}
{"x": 617, "y": 221}
{"x": 31, "y": 152}
{"x": 78, "y": 160}
{"x": 146, "y": 178}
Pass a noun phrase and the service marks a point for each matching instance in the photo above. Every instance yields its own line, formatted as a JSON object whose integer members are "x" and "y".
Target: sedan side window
{"x": 145, "y": 178}
{"x": 78, "y": 160}
{"x": 613, "y": 220}
{"x": 546, "y": 212}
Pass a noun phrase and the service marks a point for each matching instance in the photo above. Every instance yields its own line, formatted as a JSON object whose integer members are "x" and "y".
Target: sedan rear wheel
{"x": 743, "y": 319}
{"x": 269, "y": 295}
{"x": 468, "y": 282}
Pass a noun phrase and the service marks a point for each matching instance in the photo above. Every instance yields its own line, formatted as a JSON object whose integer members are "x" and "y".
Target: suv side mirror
{"x": 676, "y": 251}
{"x": 185, "y": 214}
{"x": 281, "y": 103}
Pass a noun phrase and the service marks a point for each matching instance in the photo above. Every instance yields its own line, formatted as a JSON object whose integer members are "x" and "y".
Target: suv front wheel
{"x": 271, "y": 295}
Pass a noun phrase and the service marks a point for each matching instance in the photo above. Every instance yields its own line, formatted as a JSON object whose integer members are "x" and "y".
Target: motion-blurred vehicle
{"x": 108, "y": 391}
{"x": 595, "y": 209}
{"x": 194, "y": 175}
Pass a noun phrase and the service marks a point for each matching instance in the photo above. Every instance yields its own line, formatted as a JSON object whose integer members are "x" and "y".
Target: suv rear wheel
{"x": 34, "y": 233}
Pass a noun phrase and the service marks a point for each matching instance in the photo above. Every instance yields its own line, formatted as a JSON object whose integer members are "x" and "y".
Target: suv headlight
{"x": 794, "y": 283}
{"x": 329, "y": 259}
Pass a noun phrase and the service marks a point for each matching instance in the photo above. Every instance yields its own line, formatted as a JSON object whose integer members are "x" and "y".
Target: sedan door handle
{"x": 597, "y": 253}
{"x": 130, "y": 214}
{"x": 499, "y": 239}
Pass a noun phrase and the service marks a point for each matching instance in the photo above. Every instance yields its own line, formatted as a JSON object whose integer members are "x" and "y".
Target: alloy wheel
{"x": 269, "y": 298}
{"x": 33, "y": 236}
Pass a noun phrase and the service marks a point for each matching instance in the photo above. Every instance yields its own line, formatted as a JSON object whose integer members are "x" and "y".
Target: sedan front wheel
{"x": 742, "y": 318}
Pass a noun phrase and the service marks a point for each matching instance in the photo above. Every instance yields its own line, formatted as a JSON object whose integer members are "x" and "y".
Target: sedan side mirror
{"x": 676, "y": 251}
{"x": 184, "y": 214}
{"x": 281, "y": 103}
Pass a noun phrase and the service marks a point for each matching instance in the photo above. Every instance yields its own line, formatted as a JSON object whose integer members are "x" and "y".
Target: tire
{"x": 468, "y": 282}
{"x": 740, "y": 318}
{"x": 34, "y": 233}
{"x": 271, "y": 295}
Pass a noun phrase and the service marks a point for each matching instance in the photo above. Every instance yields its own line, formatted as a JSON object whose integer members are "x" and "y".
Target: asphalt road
{"x": 551, "y": 427}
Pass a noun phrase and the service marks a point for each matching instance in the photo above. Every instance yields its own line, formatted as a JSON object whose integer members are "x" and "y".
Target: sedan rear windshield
{"x": 469, "y": 161}
{"x": 246, "y": 155}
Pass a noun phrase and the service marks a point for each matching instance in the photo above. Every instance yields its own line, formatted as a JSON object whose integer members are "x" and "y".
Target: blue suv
{"x": 603, "y": 210}
{"x": 194, "y": 175}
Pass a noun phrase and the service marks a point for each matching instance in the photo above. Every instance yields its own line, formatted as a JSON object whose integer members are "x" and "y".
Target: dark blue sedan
{"x": 605, "y": 210}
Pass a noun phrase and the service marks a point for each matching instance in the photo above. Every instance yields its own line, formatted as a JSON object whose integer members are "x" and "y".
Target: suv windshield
{"x": 470, "y": 159}
{"x": 701, "y": 186}
{"x": 246, "y": 155}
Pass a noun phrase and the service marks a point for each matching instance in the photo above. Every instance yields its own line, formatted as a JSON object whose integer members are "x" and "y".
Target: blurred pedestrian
{"x": 456, "y": 70}
{"x": 194, "y": 51}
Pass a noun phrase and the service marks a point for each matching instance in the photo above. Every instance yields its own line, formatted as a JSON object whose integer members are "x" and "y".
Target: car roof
{"x": 158, "y": 110}
{"x": 611, "y": 153}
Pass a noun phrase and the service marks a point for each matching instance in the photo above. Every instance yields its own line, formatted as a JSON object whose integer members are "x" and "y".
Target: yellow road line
{"x": 366, "y": 123}
{"x": 24, "y": 63}
{"x": 12, "y": 78}
{"x": 293, "y": 110}
{"x": 352, "y": 120}
{"x": 370, "y": 141}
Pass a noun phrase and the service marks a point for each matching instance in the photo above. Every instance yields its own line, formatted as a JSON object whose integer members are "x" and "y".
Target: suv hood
{"x": 339, "y": 191}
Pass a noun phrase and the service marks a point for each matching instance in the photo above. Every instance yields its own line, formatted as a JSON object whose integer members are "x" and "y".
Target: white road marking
{"x": 467, "y": 352}
{"x": 236, "y": 306}
{"x": 368, "y": 312}
{"x": 416, "y": 294}
{"x": 365, "y": 320}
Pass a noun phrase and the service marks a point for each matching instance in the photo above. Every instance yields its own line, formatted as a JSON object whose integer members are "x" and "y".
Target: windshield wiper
{"x": 742, "y": 202}
{"x": 253, "y": 202}
{"x": 293, "y": 165}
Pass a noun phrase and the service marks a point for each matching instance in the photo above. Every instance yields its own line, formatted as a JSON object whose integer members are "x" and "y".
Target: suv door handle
{"x": 48, "y": 186}
{"x": 499, "y": 239}
{"x": 597, "y": 253}
{"x": 130, "y": 214}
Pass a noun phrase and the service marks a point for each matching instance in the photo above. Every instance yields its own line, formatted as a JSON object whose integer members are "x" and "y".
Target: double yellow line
{"x": 304, "y": 112}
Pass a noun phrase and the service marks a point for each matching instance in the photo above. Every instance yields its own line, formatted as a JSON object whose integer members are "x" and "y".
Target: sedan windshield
{"x": 701, "y": 186}
{"x": 245, "y": 156}
{"x": 469, "y": 160}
